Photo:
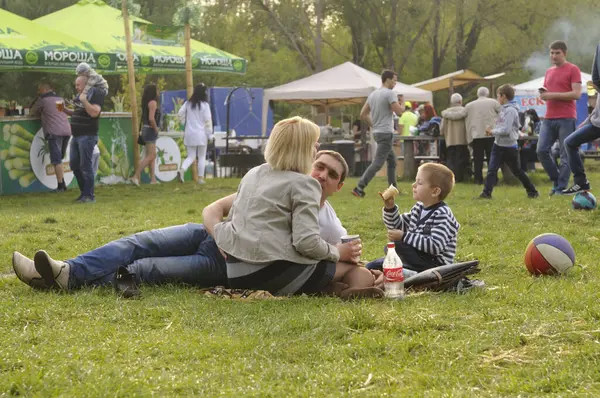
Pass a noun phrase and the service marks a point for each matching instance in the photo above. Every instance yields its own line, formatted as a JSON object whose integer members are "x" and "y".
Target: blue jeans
{"x": 509, "y": 156}
{"x": 587, "y": 133}
{"x": 552, "y": 130}
{"x": 385, "y": 151}
{"x": 82, "y": 150}
{"x": 180, "y": 254}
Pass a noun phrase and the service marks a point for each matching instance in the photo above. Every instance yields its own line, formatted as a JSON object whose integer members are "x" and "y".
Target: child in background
{"x": 425, "y": 237}
{"x": 506, "y": 149}
{"x": 95, "y": 80}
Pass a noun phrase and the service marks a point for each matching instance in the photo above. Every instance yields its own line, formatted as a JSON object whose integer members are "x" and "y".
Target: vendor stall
{"x": 25, "y": 159}
{"x": 101, "y": 25}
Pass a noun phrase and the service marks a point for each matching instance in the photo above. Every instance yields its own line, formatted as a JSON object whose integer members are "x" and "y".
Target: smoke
{"x": 581, "y": 32}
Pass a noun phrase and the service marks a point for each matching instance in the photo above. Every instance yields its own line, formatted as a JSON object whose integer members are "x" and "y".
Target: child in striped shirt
{"x": 425, "y": 237}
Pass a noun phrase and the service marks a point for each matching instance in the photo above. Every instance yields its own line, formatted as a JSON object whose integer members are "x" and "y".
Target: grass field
{"x": 521, "y": 336}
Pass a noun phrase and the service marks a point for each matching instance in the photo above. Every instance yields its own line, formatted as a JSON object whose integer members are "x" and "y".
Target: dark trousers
{"x": 459, "y": 161}
{"x": 81, "y": 154}
{"x": 412, "y": 259}
{"x": 509, "y": 156}
{"x": 482, "y": 148}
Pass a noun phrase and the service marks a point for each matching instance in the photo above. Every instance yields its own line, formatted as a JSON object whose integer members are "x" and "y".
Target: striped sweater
{"x": 435, "y": 232}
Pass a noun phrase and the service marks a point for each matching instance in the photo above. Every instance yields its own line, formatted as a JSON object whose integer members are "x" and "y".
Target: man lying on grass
{"x": 180, "y": 254}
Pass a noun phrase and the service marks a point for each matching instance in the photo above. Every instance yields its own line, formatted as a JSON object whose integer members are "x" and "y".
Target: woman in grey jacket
{"x": 271, "y": 239}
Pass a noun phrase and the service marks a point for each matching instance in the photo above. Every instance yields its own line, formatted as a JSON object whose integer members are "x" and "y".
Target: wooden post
{"x": 131, "y": 77}
{"x": 189, "y": 81}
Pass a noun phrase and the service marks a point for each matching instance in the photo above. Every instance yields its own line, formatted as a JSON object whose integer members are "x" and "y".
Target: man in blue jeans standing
{"x": 562, "y": 87}
{"x": 588, "y": 131}
{"x": 378, "y": 112}
{"x": 84, "y": 128}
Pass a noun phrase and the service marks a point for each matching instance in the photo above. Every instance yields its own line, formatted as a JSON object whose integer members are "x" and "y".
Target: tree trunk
{"x": 392, "y": 35}
{"x": 189, "y": 80}
{"x": 131, "y": 74}
{"x": 319, "y": 10}
{"x": 436, "y": 62}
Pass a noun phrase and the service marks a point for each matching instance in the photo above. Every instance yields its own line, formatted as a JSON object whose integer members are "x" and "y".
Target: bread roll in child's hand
{"x": 388, "y": 196}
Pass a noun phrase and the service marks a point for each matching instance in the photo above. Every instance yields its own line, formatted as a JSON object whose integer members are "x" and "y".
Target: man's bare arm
{"x": 397, "y": 108}
{"x": 216, "y": 211}
{"x": 572, "y": 95}
{"x": 92, "y": 109}
{"x": 365, "y": 114}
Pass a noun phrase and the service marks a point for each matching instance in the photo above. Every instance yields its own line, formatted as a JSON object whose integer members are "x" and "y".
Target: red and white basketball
{"x": 549, "y": 254}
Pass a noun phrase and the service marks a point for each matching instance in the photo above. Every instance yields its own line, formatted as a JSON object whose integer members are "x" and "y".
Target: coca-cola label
{"x": 393, "y": 274}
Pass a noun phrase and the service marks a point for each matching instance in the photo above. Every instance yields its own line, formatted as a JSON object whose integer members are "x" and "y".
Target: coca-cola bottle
{"x": 393, "y": 272}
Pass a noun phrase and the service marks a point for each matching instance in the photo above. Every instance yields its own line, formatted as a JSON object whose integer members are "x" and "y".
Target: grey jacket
{"x": 275, "y": 216}
{"x": 506, "y": 130}
{"x": 594, "y": 117}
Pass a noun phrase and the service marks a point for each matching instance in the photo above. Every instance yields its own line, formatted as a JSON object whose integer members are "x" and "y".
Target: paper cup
{"x": 390, "y": 193}
{"x": 349, "y": 238}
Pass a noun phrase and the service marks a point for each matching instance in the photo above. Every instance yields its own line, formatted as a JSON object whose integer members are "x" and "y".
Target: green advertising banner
{"x": 175, "y": 63}
{"x": 25, "y": 158}
{"x": 55, "y": 60}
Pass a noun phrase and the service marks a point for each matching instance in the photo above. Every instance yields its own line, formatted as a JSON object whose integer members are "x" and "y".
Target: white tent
{"x": 341, "y": 85}
{"x": 531, "y": 87}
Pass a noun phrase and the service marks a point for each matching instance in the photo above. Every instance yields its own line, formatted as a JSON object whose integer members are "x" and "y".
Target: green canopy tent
{"x": 99, "y": 24}
{"x": 26, "y": 45}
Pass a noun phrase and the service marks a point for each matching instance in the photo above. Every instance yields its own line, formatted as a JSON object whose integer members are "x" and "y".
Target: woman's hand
{"x": 350, "y": 252}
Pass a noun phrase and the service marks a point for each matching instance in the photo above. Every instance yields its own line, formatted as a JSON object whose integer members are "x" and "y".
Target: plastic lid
{"x": 391, "y": 245}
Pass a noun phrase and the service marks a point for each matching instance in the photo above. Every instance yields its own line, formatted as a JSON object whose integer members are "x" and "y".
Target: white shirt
{"x": 196, "y": 122}
{"x": 331, "y": 229}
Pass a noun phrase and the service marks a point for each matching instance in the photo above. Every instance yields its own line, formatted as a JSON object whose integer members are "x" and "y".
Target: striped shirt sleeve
{"x": 394, "y": 220}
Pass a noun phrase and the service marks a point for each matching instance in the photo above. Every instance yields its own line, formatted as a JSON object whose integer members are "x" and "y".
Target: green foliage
{"x": 189, "y": 13}
{"x": 283, "y": 40}
{"x": 522, "y": 336}
{"x": 132, "y": 7}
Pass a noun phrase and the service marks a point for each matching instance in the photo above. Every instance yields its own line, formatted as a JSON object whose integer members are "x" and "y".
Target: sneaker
{"x": 87, "y": 199}
{"x": 484, "y": 195}
{"x": 135, "y": 181}
{"x": 201, "y": 181}
{"x": 79, "y": 198}
{"x": 533, "y": 195}
{"x": 125, "y": 284}
{"x": 359, "y": 193}
{"x": 55, "y": 273}
{"x": 180, "y": 175}
{"x": 25, "y": 270}
{"x": 466, "y": 284}
{"x": 576, "y": 188}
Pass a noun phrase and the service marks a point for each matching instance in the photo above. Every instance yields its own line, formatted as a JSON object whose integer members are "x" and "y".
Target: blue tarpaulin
{"x": 245, "y": 111}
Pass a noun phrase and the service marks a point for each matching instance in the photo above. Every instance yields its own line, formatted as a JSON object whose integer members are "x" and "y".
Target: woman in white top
{"x": 195, "y": 113}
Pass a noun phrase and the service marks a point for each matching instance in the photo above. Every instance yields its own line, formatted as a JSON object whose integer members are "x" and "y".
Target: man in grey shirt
{"x": 378, "y": 112}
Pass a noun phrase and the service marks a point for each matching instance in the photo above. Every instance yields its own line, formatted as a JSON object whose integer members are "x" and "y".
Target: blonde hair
{"x": 291, "y": 145}
{"x": 439, "y": 176}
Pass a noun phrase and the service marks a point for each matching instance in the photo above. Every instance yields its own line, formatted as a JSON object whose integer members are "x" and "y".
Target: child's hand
{"x": 395, "y": 235}
{"x": 389, "y": 203}
{"x": 488, "y": 131}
